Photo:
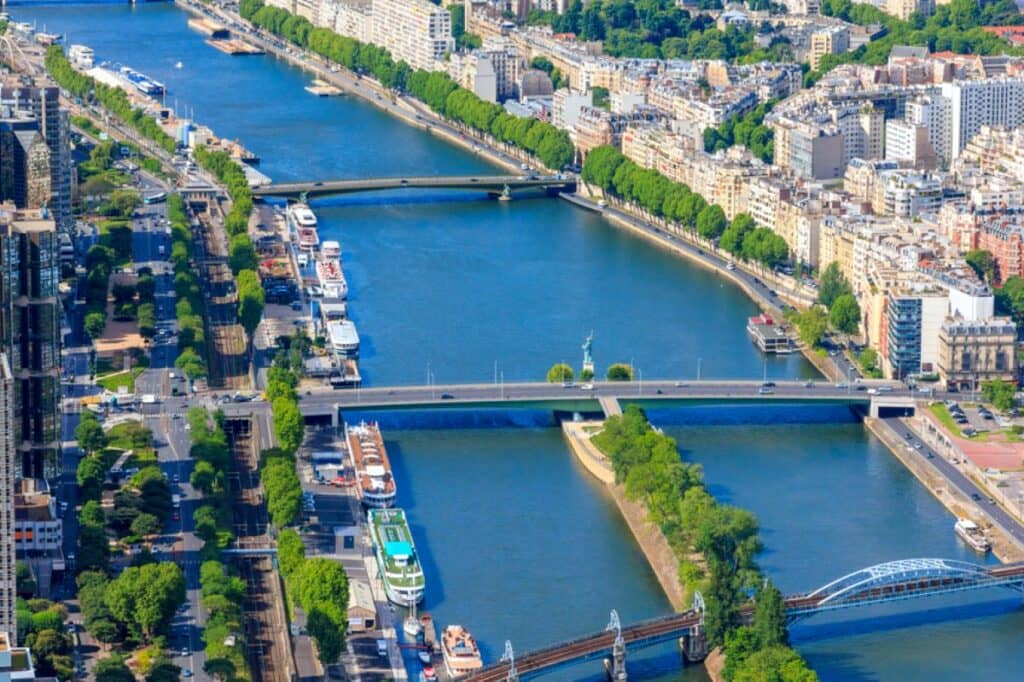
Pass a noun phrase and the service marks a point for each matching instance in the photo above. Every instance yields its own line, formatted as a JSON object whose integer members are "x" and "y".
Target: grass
{"x": 942, "y": 414}
{"x": 115, "y": 380}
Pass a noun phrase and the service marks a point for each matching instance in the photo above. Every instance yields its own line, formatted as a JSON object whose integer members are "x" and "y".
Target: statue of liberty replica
{"x": 588, "y": 359}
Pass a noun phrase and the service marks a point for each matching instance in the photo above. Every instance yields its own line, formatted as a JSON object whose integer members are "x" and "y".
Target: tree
{"x": 205, "y": 518}
{"x": 983, "y": 264}
{"x": 329, "y": 638}
{"x": 586, "y": 374}
{"x": 833, "y": 285}
{"x": 811, "y": 324}
{"x": 146, "y": 524}
{"x": 844, "y": 314}
{"x": 1000, "y": 393}
{"x": 89, "y": 434}
{"x": 321, "y": 584}
{"x": 112, "y": 670}
{"x": 90, "y": 476}
{"x": 711, "y": 221}
{"x": 290, "y": 552}
{"x": 559, "y": 373}
{"x": 164, "y": 671}
{"x": 288, "y": 425}
{"x": 770, "y": 617}
{"x": 221, "y": 669}
{"x": 189, "y": 362}
{"x": 203, "y": 477}
{"x": 619, "y": 372}
{"x": 251, "y": 301}
{"x": 145, "y": 598}
{"x": 95, "y": 323}
{"x": 242, "y": 254}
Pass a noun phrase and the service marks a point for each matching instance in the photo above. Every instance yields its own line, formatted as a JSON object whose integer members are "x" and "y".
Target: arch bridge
{"x": 887, "y": 582}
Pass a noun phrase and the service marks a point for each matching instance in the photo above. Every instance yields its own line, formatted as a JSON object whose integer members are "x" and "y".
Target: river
{"x": 518, "y": 542}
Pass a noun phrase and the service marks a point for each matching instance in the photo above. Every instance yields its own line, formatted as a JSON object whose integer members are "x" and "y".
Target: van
{"x": 382, "y": 648}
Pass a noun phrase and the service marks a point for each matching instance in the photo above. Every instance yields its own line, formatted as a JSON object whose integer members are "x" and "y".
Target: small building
{"x": 972, "y": 352}
{"x": 771, "y": 337}
{"x": 362, "y": 611}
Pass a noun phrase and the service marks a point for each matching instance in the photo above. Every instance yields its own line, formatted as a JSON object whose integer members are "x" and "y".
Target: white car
{"x": 586, "y": 387}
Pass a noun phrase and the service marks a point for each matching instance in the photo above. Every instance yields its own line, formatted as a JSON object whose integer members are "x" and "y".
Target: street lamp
{"x": 699, "y": 360}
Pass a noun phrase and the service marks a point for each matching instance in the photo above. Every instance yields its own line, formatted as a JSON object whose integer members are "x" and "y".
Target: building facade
{"x": 971, "y": 352}
{"x": 417, "y": 32}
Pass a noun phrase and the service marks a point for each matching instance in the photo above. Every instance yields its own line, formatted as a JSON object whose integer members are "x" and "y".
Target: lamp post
{"x": 699, "y": 360}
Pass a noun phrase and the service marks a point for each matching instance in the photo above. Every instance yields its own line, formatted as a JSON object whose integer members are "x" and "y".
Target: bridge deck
{"x": 489, "y": 183}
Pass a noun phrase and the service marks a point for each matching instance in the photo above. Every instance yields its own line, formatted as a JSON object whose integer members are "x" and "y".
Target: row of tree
{"x": 281, "y": 483}
{"x": 222, "y": 596}
{"x": 561, "y": 372}
{"x": 241, "y": 254}
{"x": 647, "y": 463}
{"x": 135, "y": 607}
{"x": 191, "y": 358}
{"x": 115, "y": 100}
{"x": 436, "y": 89}
{"x": 609, "y": 169}
{"x": 41, "y": 629}
{"x": 320, "y": 587}
{"x": 212, "y": 456}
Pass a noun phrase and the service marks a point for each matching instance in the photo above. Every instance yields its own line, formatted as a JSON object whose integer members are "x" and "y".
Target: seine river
{"x": 518, "y": 542}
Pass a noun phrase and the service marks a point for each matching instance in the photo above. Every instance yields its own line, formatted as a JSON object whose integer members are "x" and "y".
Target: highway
{"x": 489, "y": 183}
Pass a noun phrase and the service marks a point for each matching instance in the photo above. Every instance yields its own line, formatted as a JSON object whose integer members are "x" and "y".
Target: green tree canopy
{"x": 844, "y": 314}
{"x": 560, "y": 372}
{"x": 833, "y": 285}
{"x": 619, "y": 372}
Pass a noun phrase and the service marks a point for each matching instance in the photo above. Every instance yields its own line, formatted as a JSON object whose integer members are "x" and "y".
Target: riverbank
{"x": 648, "y": 536}
{"x": 945, "y": 491}
{"x": 682, "y": 244}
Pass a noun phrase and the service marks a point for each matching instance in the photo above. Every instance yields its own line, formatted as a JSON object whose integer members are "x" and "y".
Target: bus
{"x": 155, "y": 198}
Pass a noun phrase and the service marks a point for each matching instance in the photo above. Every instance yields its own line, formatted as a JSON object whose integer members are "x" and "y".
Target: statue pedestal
{"x": 588, "y": 366}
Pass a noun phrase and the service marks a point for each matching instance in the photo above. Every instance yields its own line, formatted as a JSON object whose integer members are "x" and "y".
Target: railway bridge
{"x": 495, "y": 185}
{"x": 883, "y": 583}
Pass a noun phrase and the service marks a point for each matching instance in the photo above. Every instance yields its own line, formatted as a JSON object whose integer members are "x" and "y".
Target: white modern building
{"x": 417, "y": 32}
{"x": 974, "y": 103}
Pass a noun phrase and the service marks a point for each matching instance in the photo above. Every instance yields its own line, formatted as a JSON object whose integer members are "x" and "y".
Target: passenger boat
{"x": 461, "y": 654}
{"x": 331, "y": 249}
{"x": 344, "y": 338}
{"x": 331, "y": 278}
{"x": 302, "y": 222}
{"x": 397, "y": 560}
{"x": 970, "y": 533}
{"x": 371, "y": 464}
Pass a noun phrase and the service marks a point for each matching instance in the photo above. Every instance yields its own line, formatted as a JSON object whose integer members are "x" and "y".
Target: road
{"x": 957, "y": 478}
{"x": 492, "y": 183}
{"x": 455, "y": 395}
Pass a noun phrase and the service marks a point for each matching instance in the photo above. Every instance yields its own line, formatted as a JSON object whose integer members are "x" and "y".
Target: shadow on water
{"x": 453, "y": 418}
{"x": 409, "y": 197}
{"x": 725, "y": 414}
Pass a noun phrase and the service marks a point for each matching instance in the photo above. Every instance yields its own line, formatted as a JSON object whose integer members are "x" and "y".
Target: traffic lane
{"x": 964, "y": 484}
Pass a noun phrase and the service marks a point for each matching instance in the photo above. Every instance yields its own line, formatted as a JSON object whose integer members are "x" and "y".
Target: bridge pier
{"x": 694, "y": 645}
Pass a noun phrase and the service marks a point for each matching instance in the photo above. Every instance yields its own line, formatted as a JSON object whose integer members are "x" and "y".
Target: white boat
{"x": 396, "y": 555}
{"x": 344, "y": 338}
{"x": 82, "y": 56}
{"x": 331, "y": 278}
{"x": 303, "y": 259}
{"x": 970, "y": 533}
{"x": 411, "y": 626}
{"x": 178, "y": 65}
{"x": 303, "y": 223}
{"x": 331, "y": 249}
{"x": 308, "y": 238}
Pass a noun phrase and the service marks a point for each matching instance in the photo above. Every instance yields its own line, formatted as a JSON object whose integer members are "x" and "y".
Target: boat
{"x": 428, "y": 673}
{"x": 371, "y": 464}
{"x": 82, "y": 56}
{"x": 331, "y": 249}
{"x": 411, "y": 626}
{"x": 424, "y": 656}
{"x": 142, "y": 82}
{"x": 344, "y": 338}
{"x": 179, "y": 65}
{"x": 331, "y": 278}
{"x": 396, "y": 556}
{"x": 303, "y": 260}
{"x": 461, "y": 654}
{"x": 970, "y": 533}
{"x": 303, "y": 222}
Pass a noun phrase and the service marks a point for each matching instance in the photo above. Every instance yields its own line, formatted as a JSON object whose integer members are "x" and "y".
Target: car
{"x": 447, "y": 396}
{"x": 586, "y": 387}
{"x": 176, "y": 415}
{"x": 186, "y": 672}
{"x": 768, "y": 384}
{"x": 175, "y": 516}
{"x": 404, "y": 181}
{"x": 730, "y": 266}
{"x": 474, "y": 180}
{"x": 681, "y": 384}
{"x": 976, "y": 497}
{"x": 991, "y": 500}
{"x": 765, "y": 390}
{"x": 176, "y": 478}
{"x": 840, "y": 384}
{"x": 917, "y": 446}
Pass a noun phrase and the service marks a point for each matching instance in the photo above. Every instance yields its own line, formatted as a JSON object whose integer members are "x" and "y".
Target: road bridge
{"x": 491, "y": 184}
{"x": 882, "y": 583}
{"x": 591, "y": 398}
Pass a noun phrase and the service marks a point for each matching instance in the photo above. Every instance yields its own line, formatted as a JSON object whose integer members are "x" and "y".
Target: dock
{"x": 323, "y": 89}
{"x": 234, "y": 47}
{"x": 209, "y": 27}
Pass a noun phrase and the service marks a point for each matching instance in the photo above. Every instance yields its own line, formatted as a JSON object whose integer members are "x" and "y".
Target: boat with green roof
{"x": 396, "y": 555}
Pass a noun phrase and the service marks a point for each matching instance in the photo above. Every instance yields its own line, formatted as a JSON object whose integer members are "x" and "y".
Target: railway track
{"x": 267, "y": 646}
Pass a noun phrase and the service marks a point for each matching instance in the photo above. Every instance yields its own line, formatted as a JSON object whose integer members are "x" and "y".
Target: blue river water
{"x": 518, "y": 543}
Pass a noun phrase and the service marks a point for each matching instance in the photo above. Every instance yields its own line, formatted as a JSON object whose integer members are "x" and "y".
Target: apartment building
{"x": 9, "y": 468}
{"x": 907, "y": 193}
{"x": 417, "y": 32}
{"x": 974, "y": 351}
{"x": 974, "y": 103}
{"x": 25, "y": 169}
{"x": 351, "y": 18}
{"x": 1001, "y": 233}
{"x": 828, "y": 40}
{"x": 909, "y": 143}
{"x": 902, "y": 9}
{"x": 914, "y": 318}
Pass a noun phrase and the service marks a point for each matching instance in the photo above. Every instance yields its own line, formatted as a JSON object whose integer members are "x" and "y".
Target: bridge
{"x": 882, "y": 583}
{"x": 595, "y": 397}
{"x": 491, "y": 184}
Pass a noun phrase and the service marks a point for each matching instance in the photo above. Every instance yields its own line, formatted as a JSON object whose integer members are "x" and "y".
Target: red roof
{"x": 763, "y": 318}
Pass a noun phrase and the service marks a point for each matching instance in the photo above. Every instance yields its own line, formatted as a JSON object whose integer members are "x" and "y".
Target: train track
{"x": 267, "y": 646}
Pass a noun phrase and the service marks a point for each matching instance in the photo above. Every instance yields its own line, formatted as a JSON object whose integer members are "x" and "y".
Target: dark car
{"x": 769, "y": 384}
{"x": 447, "y": 396}
{"x": 976, "y": 497}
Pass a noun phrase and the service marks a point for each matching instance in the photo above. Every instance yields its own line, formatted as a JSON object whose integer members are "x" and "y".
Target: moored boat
{"x": 970, "y": 533}
{"x": 461, "y": 653}
{"x": 371, "y": 464}
{"x": 396, "y": 556}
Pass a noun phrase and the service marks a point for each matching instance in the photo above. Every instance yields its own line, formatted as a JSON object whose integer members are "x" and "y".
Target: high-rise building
{"x": 8, "y": 468}
{"x": 25, "y": 169}
{"x": 30, "y": 334}
{"x": 912, "y": 331}
{"x": 44, "y": 104}
{"x": 972, "y": 104}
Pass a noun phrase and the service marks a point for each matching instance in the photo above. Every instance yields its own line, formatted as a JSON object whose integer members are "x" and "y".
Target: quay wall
{"x": 652, "y": 541}
{"x": 951, "y": 497}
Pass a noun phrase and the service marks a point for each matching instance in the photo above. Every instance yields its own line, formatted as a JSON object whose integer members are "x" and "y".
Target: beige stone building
{"x": 972, "y": 352}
